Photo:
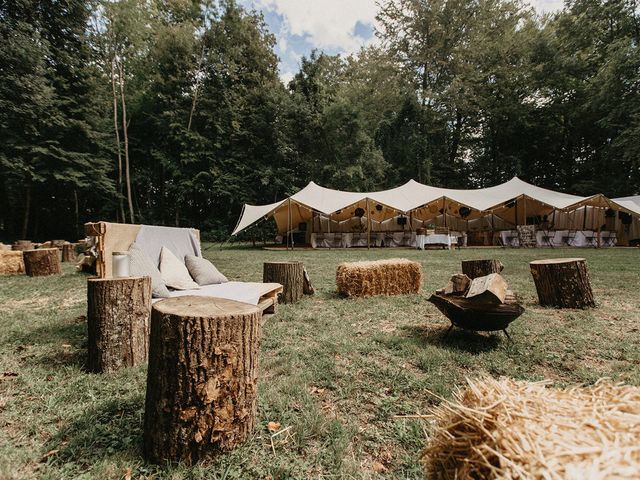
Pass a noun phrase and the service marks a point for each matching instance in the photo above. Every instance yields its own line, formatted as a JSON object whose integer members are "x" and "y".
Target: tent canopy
{"x": 511, "y": 200}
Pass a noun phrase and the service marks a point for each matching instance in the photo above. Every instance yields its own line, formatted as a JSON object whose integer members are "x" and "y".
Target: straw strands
{"x": 395, "y": 276}
{"x": 521, "y": 430}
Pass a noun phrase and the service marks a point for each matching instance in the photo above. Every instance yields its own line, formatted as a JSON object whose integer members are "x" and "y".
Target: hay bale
{"x": 515, "y": 429}
{"x": 11, "y": 262}
{"x": 395, "y": 276}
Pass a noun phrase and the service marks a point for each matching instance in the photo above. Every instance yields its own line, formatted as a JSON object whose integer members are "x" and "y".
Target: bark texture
{"x": 42, "y": 262}
{"x": 563, "y": 283}
{"x": 290, "y": 275}
{"x": 202, "y": 378}
{"x": 480, "y": 268}
{"x": 118, "y": 312}
{"x": 68, "y": 252}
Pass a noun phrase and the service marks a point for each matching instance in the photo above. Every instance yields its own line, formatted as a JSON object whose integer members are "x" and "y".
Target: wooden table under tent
{"x": 117, "y": 237}
{"x": 320, "y": 217}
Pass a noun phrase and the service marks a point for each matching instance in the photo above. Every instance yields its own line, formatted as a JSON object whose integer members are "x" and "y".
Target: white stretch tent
{"x": 511, "y": 202}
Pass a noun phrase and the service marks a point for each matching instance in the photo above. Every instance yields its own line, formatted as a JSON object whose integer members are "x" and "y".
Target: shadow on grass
{"x": 457, "y": 339}
{"x": 53, "y": 345}
{"x": 110, "y": 428}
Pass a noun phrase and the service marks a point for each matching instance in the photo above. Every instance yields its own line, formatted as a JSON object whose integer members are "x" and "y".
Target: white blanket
{"x": 181, "y": 242}
{"x": 246, "y": 292}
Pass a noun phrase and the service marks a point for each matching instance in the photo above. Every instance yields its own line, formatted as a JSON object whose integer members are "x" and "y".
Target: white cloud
{"x": 327, "y": 24}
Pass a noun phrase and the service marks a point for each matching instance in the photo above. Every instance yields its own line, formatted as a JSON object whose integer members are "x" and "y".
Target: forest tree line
{"x": 173, "y": 112}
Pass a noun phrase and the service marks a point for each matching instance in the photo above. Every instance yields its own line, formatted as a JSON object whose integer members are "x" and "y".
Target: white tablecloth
{"x": 439, "y": 239}
{"x": 562, "y": 238}
{"x": 378, "y": 239}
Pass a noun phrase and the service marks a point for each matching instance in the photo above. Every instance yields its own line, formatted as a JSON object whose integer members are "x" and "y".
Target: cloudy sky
{"x": 334, "y": 26}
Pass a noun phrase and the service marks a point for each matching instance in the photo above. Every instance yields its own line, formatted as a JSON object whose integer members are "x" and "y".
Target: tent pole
{"x": 444, "y": 211}
{"x": 524, "y": 208}
{"x": 289, "y": 224}
{"x": 584, "y": 218}
{"x": 368, "y": 224}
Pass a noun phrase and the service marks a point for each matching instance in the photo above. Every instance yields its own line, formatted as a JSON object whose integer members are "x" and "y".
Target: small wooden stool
{"x": 562, "y": 282}
{"x": 202, "y": 377}
{"x": 118, "y": 312}
{"x": 481, "y": 268}
{"x": 42, "y": 262}
{"x": 290, "y": 274}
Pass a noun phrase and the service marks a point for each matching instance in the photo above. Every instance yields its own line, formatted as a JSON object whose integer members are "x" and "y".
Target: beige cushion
{"x": 142, "y": 266}
{"x": 203, "y": 271}
{"x": 174, "y": 273}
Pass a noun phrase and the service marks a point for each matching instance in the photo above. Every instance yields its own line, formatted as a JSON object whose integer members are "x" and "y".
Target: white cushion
{"x": 141, "y": 266}
{"x": 174, "y": 273}
{"x": 203, "y": 271}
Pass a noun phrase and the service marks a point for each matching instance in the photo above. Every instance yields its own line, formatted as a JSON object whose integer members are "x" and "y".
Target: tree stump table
{"x": 118, "y": 312}
{"x": 562, "y": 282}
{"x": 201, "y": 382}
{"x": 41, "y": 262}
{"x": 481, "y": 268}
{"x": 290, "y": 275}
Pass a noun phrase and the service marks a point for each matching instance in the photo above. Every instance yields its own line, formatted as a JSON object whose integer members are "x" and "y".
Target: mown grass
{"x": 335, "y": 370}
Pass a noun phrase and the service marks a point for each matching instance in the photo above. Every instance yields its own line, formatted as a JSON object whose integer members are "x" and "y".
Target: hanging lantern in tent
{"x": 359, "y": 212}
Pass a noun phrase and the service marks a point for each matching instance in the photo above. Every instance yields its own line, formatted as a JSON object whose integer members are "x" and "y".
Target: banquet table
{"x": 435, "y": 239}
{"x": 562, "y": 238}
{"x": 359, "y": 239}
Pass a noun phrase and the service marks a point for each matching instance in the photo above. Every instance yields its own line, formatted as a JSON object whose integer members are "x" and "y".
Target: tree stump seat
{"x": 563, "y": 282}
{"x": 481, "y": 268}
{"x": 202, "y": 378}
{"x": 292, "y": 277}
{"x": 41, "y": 262}
{"x": 118, "y": 312}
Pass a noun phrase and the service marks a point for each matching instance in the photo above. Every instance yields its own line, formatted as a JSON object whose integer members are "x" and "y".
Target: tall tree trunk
{"x": 196, "y": 89}
{"x": 455, "y": 141}
{"x": 125, "y": 127}
{"x": 77, "y": 213}
{"x": 27, "y": 208}
{"x": 118, "y": 144}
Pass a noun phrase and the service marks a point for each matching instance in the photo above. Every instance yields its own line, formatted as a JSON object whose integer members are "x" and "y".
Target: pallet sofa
{"x": 115, "y": 237}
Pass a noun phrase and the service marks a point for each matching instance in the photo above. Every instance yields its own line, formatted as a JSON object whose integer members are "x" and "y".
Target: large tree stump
{"x": 481, "y": 268}
{"x": 563, "y": 282}
{"x": 290, "y": 275}
{"x": 41, "y": 262}
{"x": 201, "y": 383}
{"x": 68, "y": 252}
{"x": 118, "y": 312}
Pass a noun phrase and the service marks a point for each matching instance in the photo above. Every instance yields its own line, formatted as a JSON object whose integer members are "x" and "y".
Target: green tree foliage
{"x": 184, "y": 95}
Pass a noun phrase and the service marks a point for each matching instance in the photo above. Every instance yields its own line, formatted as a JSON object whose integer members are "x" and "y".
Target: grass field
{"x": 336, "y": 370}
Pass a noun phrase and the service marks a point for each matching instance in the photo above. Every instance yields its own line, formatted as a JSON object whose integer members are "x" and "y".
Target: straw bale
{"x": 11, "y": 262}
{"x": 395, "y": 276}
{"x": 522, "y": 430}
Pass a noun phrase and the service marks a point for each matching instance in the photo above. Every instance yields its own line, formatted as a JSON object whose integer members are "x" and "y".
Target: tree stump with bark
{"x": 202, "y": 378}
{"x": 118, "y": 312}
{"x": 481, "y": 268}
{"x": 68, "y": 252}
{"x": 563, "y": 283}
{"x": 290, "y": 275}
{"x": 41, "y": 262}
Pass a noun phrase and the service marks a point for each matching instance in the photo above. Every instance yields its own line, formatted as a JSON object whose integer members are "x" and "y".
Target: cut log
{"x": 458, "y": 285}
{"x": 563, "y": 282}
{"x": 21, "y": 245}
{"x": 290, "y": 275}
{"x": 68, "y": 252}
{"x": 11, "y": 263}
{"x": 307, "y": 288}
{"x": 481, "y": 268}
{"x": 490, "y": 288}
{"x": 202, "y": 378}
{"x": 42, "y": 262}
{"x": 118, "y": 312}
